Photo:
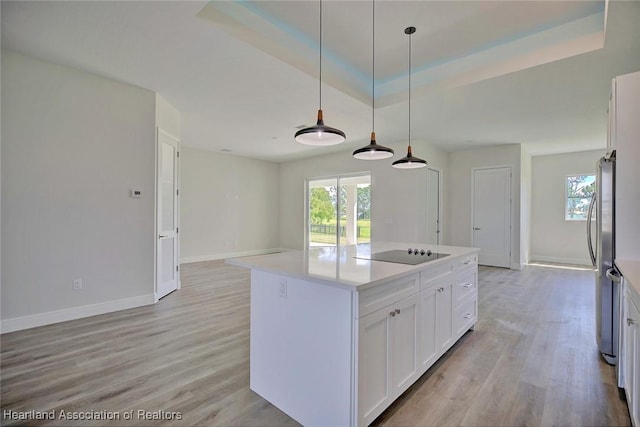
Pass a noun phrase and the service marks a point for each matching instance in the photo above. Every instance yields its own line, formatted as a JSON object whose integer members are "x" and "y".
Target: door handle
{"x": 476, "y": 228}
{"x": 160, "y": 236}
{"x": 593, "y": 254}
{"x": 613, "y": 275}
{"x": 630, "y": 321}
{"x": 467, "y": 285}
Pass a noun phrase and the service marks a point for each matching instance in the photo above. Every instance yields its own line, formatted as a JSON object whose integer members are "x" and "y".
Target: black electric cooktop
{"x": 409, "y": 256}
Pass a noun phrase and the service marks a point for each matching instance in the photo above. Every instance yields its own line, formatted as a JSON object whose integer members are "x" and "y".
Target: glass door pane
{"x": 323, "y": 202}
{"x": 355, "y": 209}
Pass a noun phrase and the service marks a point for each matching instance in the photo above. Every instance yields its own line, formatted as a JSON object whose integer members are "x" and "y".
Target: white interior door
{"x": 491, "y": 217}
{"x": 167, "y": 274}
{"x": 433, "y": 206}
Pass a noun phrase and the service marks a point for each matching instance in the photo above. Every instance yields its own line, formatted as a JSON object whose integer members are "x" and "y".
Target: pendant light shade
{"x": 373, "y": 151}
{"x": 320, "y": 134}
{"x": 409, "y": 161}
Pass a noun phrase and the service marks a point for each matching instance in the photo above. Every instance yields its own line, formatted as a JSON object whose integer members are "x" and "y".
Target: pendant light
{"x": 320, "y": 134}
{"x": 373, "y": 151}
{"x": 409, "y": 162}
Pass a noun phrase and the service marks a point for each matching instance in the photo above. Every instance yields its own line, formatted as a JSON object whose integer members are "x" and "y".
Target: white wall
{"x": 229, "y": 205}
{"x": 168, "y": 117}
{"x": 458, "y": 209}
{"x": 73, "y": 144}
{"x": 398, "y": 197}
{"x": 554, "y": 239}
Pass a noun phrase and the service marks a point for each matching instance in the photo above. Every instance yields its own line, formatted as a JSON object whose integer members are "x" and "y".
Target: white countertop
{"x": 340, "y": 267}
{"x": 630, "y": 269}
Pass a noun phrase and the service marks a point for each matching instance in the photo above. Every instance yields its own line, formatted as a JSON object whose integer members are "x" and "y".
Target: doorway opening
{"x": 339, "y": 210}
{"x": 167, "y": 265}
{"x": 434, "y": 206}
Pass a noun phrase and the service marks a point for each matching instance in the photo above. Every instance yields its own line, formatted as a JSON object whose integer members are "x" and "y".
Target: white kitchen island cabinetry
{"x": 335, "y": 338}
{"x": 629, "y": 362}
{"x": 465, "y": 295}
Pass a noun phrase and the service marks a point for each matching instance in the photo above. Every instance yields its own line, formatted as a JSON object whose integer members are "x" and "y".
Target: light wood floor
{"x": 532, "y": 360}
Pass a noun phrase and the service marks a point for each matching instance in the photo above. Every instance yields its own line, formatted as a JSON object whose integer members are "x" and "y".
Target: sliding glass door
{"x": 339, "y": 210}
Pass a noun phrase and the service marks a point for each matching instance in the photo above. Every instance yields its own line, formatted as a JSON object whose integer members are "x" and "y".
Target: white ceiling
{"x": 245, "y": 74}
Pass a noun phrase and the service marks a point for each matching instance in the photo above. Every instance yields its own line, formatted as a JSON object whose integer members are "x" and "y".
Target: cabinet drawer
{"x": 465, "y": 285}
{"x": 435, "y": 275}
{"x": 467, "y": 261}
{"x": 375, "y": 298}
{"x": 464, "y": 316}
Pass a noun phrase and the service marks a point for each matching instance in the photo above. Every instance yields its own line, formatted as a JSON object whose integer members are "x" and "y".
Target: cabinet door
{"x": 374, "y": 373}
{"x": 444, "y": 327}
{"x": 632, "y": 360}
{"x": 404, "y": 341}
{"x": 634, "y": 408}
{"x": 428, "y": 349}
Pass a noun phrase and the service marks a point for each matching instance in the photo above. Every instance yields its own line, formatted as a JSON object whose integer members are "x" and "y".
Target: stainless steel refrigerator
{"x": 602, "y": 207}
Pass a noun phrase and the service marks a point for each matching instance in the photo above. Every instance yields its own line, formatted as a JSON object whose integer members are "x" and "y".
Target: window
{"x": 580, "y": 188}
{"x": 339, "y": 210}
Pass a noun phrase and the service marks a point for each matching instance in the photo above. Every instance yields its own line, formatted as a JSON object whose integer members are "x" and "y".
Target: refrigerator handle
{"x": 589, "y": 242}
{"x": 613, "y": 275}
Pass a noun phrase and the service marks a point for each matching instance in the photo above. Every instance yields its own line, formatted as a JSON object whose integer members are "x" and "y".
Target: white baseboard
{"x": 50, "y": 317}
{"x": 560, "y": 260}
{"x": 212, "y": 257}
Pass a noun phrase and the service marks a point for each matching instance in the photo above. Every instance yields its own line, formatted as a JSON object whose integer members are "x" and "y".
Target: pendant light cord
{"x": 373, "y": 68}
{"x": 320, "y": 79}
{"x": 409, "y": 90}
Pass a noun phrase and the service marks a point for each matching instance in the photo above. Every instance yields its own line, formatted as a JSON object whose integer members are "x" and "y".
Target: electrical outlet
{"x": 283, "y": 288}
{"x": 77, "y": 284}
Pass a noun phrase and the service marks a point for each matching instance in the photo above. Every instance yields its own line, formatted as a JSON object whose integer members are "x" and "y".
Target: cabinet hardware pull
{"x": 630, "y": 321}
{"x": 397, "y": 311}
{"x": 467, "y": 316}
{"x": 392, "y": 314}
{"x": 468, "y": 285}
{"x": 467, "y": 261}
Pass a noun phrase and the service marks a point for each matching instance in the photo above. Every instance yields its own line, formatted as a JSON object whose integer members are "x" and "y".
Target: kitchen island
{"x": 336, "y": 337}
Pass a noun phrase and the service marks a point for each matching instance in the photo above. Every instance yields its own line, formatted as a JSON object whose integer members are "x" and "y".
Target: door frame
{"x": 440, "y": 207}
{"x": 176, "y": 211}
{"x": 511, "y": 196}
